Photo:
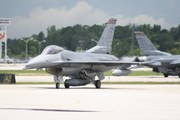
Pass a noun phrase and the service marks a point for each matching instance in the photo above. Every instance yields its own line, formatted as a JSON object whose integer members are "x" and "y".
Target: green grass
{"x": 26, "y": 72}
{"x": 44, "y": 73}
{"x": 138, "y": 73}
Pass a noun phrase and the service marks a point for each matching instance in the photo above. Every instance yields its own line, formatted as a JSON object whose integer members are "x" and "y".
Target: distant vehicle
{"x": 160, "y": 61}
{"x": 81, "y": 67}
{"x": 1, "y": 60}
{"x": 8, "y": 60}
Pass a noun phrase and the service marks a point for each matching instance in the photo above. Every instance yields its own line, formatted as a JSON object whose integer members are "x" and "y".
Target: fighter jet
{"x": 82, "y": 68}
{"x": 160, "y": 61}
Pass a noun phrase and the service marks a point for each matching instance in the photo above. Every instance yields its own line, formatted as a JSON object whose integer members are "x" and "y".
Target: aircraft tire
{"x": 98, "y": 84}
{"x": 57, "y": 85}
{"x": 66, "y": 86}
{"x": 179, "y": 75}
{"x": 165, "y": 75}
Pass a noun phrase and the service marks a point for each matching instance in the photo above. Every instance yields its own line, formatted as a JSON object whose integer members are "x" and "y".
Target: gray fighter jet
{"x": 160, "y": 61}
{"x": 82, "y": 68}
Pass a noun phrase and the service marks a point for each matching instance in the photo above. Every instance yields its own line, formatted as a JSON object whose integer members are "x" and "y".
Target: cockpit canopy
{"x": 52, "y": 49}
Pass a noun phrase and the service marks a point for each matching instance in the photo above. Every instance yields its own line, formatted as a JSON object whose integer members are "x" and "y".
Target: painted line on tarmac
{"x": 47, "y": 110}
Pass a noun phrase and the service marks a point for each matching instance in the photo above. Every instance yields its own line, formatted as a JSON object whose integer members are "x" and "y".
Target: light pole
{"x": 27, "y": 46}
{"x": 94, "y": 41}
{"x": 40, "y": 44}
{"x": 132, "y": 44}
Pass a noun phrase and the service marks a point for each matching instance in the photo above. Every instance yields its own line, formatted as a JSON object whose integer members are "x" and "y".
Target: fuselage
{"x": 71, "y": 63}
{"x": 167, "y": 64}
{"x": 166, "y": 60}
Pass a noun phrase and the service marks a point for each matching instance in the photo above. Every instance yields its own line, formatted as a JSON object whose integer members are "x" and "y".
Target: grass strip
{"x": 138, "y": 73}
{"x": 44, "y": 73}
{"x": 26, "y": 72}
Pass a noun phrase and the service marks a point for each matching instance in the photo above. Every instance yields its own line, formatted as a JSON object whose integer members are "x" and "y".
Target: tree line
{"x": 79, "y": 37}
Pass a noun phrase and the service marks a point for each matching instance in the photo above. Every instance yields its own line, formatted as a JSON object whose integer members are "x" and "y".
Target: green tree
{"x": 174, "y": 51}
{"x": 156, "y": 28}
{"x": 80, "y": 36}
{"x": 40, "y": 36}
{"x": 33, "y": 51}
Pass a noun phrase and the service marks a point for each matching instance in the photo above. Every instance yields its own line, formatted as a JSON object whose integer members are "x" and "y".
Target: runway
{"x": 111, "y": 102}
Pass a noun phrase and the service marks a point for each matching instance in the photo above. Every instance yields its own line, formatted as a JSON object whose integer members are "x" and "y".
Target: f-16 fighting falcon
{"x": 82, "y": 68}
{"x": 160, "y": 61}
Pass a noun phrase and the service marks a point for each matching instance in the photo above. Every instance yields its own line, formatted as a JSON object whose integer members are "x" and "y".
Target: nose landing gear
{"x": 57, "y": 85}
{"x": 58, "y": 80}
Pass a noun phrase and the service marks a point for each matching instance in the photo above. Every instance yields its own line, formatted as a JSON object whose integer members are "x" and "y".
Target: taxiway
{"x": 111, "y": 102}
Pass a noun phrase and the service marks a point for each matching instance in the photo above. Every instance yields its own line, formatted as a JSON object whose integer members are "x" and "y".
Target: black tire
{"x": 66, "y": 86}
{"x": 98, "y": 84}
{"x": 179, "y": 75}
{"x": 165, "y": 75}
{"x": 57, "y": 85}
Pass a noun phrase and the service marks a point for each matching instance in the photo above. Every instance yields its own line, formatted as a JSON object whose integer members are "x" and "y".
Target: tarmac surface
{"x": 111, "y": 102}
{"x": 14, "y": 66}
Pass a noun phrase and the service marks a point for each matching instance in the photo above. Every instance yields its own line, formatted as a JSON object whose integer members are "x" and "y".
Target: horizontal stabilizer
{"x": 175, "y": 62}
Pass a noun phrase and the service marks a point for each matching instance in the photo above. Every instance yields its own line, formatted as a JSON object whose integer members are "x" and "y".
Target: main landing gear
{"x": 166, "y": 75}
{"x": 58, "y": 85}
{"x": 97, "y": 83}
{"x": 66, "y": 85}
{"x": 75, "y": 82}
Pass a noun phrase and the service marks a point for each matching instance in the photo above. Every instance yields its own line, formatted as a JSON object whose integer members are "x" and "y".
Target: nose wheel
{"x": 57, "y": 85}
{"x": 58, "y": 80}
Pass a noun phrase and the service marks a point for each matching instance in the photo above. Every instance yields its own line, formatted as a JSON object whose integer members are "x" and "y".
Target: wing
{"x": 167, "y": 61}
{"x": 106, "y": 63}
{"x": 175, "y": 62}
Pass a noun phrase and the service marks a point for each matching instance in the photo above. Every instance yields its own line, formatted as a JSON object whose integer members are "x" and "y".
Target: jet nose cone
{"x": 31, "y": 64}
{"x": 36, "y": 62}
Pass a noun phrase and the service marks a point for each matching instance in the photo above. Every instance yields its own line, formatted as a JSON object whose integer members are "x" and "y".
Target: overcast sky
{"x": 32, "y": 16}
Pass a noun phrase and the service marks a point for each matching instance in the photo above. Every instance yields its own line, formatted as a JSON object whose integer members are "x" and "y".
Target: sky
{"x": 33, "y": 16}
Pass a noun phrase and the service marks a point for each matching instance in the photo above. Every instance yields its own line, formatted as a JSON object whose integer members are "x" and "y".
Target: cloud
{"x": 40, "y": 19}
{"x": 145, "y": 19}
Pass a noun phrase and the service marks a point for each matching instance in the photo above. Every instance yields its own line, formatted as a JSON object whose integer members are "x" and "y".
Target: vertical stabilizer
{"x": 146, "y": 46}
{"x": 144, "y": 42}
{"x": 105, "y": 41}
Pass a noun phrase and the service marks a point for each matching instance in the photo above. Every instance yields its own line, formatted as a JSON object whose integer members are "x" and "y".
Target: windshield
{"x": 52, "y": 49}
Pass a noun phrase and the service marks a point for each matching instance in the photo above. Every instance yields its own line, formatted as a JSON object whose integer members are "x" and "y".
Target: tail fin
{"x": 146, "y": 46}
{"x": 105, "y": 42}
